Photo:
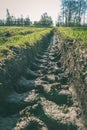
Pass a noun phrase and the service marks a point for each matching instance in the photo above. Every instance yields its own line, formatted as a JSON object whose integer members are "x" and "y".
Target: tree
{"x": 36, "y": 23}
{"x": 22, "y": 21}
{"x": 59, "y": 21}
{"x": 11, "y": 20}
{"x": 2, "y": 22}
{"x": 27, "y": 21}
{"x": 46, "y": 20}
{"x": 73, "y": 11}
{"x": 8, "y": 18}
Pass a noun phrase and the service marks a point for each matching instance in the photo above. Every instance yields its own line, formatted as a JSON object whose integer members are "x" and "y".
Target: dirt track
{"x": 43, "y": 98}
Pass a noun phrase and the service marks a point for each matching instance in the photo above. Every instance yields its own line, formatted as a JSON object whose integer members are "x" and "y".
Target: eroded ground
{"x": 44, "y": 98}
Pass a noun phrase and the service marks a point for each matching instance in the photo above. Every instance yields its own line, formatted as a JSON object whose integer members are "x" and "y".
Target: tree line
{"x": 73, "y": 13}
{"x": 10, "y": 20}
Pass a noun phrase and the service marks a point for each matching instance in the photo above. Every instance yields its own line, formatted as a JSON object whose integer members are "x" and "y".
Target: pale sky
{"x": 32, "y": 8}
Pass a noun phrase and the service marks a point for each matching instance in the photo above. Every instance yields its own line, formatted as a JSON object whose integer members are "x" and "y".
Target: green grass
{"x": 29, "y": 38}
{"x": 75, "y": 33}
{"x": 17, "y": 30}
{"x": 9, "y": 34}
{"x": 20, "y": 37}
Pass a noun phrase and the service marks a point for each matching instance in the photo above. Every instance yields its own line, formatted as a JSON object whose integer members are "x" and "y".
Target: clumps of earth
{"x": 44, "y": 98}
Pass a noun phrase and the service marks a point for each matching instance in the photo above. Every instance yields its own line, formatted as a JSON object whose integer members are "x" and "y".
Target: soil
{"x": 44, "y": 97}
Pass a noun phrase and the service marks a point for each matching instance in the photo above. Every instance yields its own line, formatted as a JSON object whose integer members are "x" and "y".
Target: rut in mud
{"x": 43, "y": 98}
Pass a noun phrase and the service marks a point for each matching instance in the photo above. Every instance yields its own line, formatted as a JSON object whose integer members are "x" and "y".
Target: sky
{"x": 32, "y": 8}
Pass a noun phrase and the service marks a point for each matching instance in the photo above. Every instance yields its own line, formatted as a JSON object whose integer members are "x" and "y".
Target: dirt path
{"x": 43, "y": 98}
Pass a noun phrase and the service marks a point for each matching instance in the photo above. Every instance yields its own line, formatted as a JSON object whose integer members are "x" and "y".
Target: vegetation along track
{"x": 43, "y": 97}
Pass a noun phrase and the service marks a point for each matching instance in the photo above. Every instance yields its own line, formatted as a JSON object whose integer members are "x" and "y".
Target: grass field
{"x": 74, "y": 32}
{"x": 20, "y": 36}
{"x": 18, "y": 30}
{"x": 10, "y": 34}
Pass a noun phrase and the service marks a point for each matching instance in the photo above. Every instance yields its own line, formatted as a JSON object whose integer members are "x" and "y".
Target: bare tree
{"x": 72, "y": 11}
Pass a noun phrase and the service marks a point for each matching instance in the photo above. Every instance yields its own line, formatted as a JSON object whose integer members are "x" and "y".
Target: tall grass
{"x": 75, "y": 33}
{"x": 18, "y": 40}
